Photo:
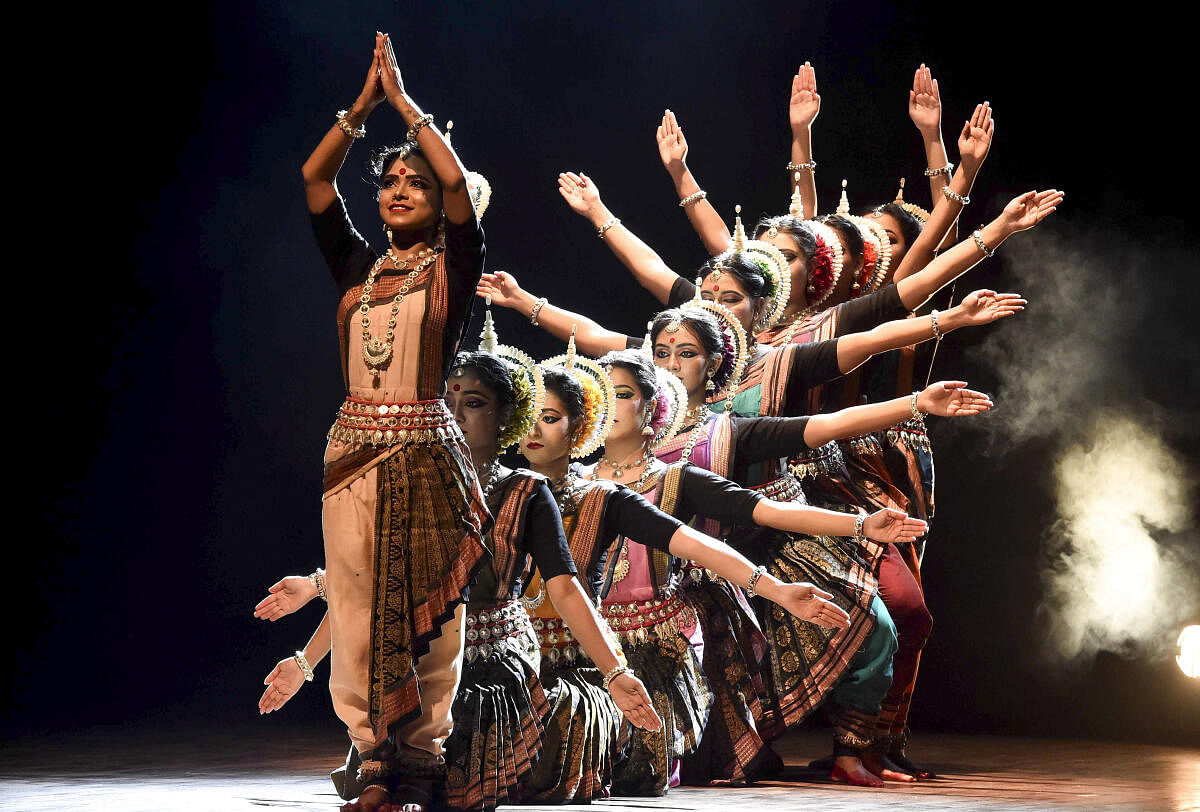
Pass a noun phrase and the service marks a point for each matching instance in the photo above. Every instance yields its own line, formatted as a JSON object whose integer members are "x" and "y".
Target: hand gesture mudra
{"x": 807, "y": 602}
{"x": 389, "y": 72}
{"x": 282, "y": 683}
{"x": 952, "y": 399}
{"x": 286, "y": 596}
{"x": 805, "y": 102}
{"x": 631, "y": 697}
{"x": 501, "y": 286}
{"x": 672, "y": 146}
{"x": 976, "y": 137}
{"x": 893, "y": 527}
{"x": 986, "y": 306}
{"x": 1031, "y": 208}
{"x": 925, "y": 103}
{"x": 372, "y": 92}
{"x": 580, "y": 192}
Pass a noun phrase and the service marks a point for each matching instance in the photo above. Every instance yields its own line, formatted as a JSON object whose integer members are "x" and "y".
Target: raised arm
{"x": 1021, "y": 214}
{"x": 287, "y": 677}
{"x": 925, "y": 110}
{"x": 627, "y": 690}
{"x": 590, "y": 337}
{"x": 673, "y": 150}
{"x": 973, "y": 145}
{"x": 321, "y": 169}
{"x": 979, "y": 308}
{"x": 944, "y": 399}
{"x": 803, "y": 106}
{"x": 456, "y": 198}
{"x": 583, "y": 196}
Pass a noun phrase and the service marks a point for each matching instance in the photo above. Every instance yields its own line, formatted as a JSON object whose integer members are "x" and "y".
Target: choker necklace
{"x": 696, "y": 414}
{"x": 489, "y": 476}
{"x": 792, "y": 328}
{"x": 377, "y": 352}
{"x": 566, "y": 490}
{"x": 618, "y": 471}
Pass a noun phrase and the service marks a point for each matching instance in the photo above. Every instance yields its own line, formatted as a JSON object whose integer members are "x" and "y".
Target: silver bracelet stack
{"x": 858, "y": 526}
{"x": 946, "y": 170}
{"x": 912, "y": 406}
{"x": 317, "y": 579}
{"x": 616, "y": 672}
{"x": 978, "y": 237}
{"x": 955, "y": 196}
{"x": 694, "y": 197}
{"x": 302, "y": 661}
{"x": 600, "y": 232}
{"x": 538, "y": 305}
{"x": 806, "y": 166}
{"x": 345, "y": 127}
{"x": 937, "y": 331}
{"x": 759, "y": 572}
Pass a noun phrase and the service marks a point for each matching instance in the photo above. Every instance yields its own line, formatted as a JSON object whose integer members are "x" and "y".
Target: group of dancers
{"x": 745, "y": 546}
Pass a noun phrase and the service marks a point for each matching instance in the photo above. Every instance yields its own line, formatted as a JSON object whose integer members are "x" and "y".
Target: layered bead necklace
{"x": 377, "y": 352}
{"x": 489, "y": 476}
{"x": 700, "y": 416}
{"x": 618, "y": 471}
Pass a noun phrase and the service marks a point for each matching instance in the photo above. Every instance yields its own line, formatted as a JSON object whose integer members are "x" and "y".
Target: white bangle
{"x": 955, "y": 196}
{"x": 345, "y": 126}
{"x": 607, "y": 225}
{"x": 858, "y": 526}
{"x": 978, "y": 236}
{"x": 317, "y": 579}
{"x": 759, "y": 572}
{"x": 694, "y": 197}
{"x": 806, "y": 166}
{"x": 616, "y": 672}
{"x": 302, "y": 661}
{"x": 912, "y": 405}
{"x": 946, "y": 170}
{"x": 538, "y": 305}
{"x": 937, "y": 331}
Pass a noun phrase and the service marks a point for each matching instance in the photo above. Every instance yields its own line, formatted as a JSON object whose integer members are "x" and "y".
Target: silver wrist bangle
{"x": 807, "y": 166}
{"x": 616, "y": 672}
{"x": 955, "y": 196}
{"x": 912, "y": 406}
{"x": 302, "y": 661}
{"x": 346, "y": 127}
{"x": 937, "y": 331}
{"x": 858, "y": 526}
{"x": 609, "y": 223}
{"x": 978, "y": 237}
{"x": 538, "y": 305}
{"x": 317, "y": 579}
{"x": 759, "y": 572}
{"x": 694, "y": 197}
{"x": 421, "y": 123}
{"x": 946, "y": 170}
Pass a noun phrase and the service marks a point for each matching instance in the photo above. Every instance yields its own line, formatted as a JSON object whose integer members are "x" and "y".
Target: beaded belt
{"x": 865, "y": 445}
{"x": 658, "y": 618}
{"x": 785, "y": 489}
{"x": 912, "y": 432}
{"x": 365, "y": 422}
{"x": 557, "y": 642}
{"x": 824, "y": 460}
{"x": 497, "y": 629}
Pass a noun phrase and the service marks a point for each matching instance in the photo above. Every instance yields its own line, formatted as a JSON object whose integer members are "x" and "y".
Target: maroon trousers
{"x": 901, "y": 592}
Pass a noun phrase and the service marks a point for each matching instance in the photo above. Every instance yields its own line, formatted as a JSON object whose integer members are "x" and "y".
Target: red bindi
{"x": 716, "y": 287}
{"x": 672, "y": 341}
{"x": 403, "y": 171}
{"x": 457, "y": 387}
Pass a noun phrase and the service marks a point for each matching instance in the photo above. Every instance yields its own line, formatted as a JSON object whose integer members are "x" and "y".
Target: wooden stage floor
{"x": 287, "y": 769}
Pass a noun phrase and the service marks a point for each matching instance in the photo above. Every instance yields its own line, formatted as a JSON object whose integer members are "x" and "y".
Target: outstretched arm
{"x": 627, "y": 690}
{"x": 287, "y": 678}
{"x": 973, "y": 145}
{"x": 944, "y": 399}
{"x": 1021, "y": 214}
{"x": 590, "y": 337}
{"x": 979, "y": 308}
{"x": 803, "y": 106}
{"x": 583, "y": 196}
{"x": 885, "y": 526}
{"x": 287, "y": 595}
{"x": 673, "y": 150}
{"x": 321, "y": 169}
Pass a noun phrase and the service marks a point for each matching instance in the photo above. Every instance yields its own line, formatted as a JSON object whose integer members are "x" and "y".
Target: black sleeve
{"x": 544, "y": 538}
{"x": 348, "y": 255}
{"x": 633, "y": 343}
{"x": 465, "y": 253}
{"x": 812, "y": 365}
{"x": 870, "y": 311}
{"x": 704, "y": 493}
{"x": 767, "y": 438}
{"x": 628, "y": 514}
{"x": 682, "y": 292}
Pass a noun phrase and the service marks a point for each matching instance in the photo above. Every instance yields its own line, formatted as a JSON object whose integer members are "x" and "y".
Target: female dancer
{"x": 402, "y": 512}
{"x": 577, "y": 757}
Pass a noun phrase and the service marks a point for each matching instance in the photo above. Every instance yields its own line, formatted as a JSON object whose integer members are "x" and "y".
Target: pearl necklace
{"x": 377, "y": 352}
{"x": 694, "y": 437}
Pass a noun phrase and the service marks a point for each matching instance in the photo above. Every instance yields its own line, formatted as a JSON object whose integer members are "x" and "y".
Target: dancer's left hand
{"x": 631, "y": 697}
{"x": 580, "y": 192}
{"x": 976, "y": 137}
{"x": 282, "y": 683}
{"x": 672, "y": 146}
{"x": 893, "y": 527}
{"x": 805, "y": 102}
{"x": 287, "y": 595}
{"x": 807, "y": 602}
{"x": 952, "y": 399}
{"x": 925, "y": 103}
{"x": 986, "y": 306}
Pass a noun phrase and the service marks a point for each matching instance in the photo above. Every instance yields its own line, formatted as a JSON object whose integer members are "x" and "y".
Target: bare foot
{"x": 850, "y": 770}
{"x": 878, "y": 764}
{"x": 373, "y": 799}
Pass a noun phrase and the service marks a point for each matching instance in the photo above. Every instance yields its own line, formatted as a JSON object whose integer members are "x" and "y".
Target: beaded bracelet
{"x": 946, "y": 170}
{"x": 955, "y": 196}
{"x": 937, "y": 331}
{"x": 302, "y": 661}
{"x": 538, "y": 305}
{"x": 795, "y": 167}
{"x": 694, "y": 197}
{"x": 616, "y": 672}
{"x": 345, "y": 127}
{"x": 607, "y": 225}
{"x": 418, "y": 125}
{"x": 317, "y": 579}
{"x": 858, "y": 526}
{"x": 759, "y": 572}
{"x": 912, "y": 406}
{"x": 978, "y": 235}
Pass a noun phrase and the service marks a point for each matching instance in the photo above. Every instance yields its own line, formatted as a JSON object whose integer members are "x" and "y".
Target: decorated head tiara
{"x": 774, "y": 267}
{"x": 877, "y": 249}
{"x": 528, "y": 385}
{"x": 670, "y": 408}
{"x": 735, "y": 353}
{"x": 477, "y": 184}
{"x": 912, "y": 208}
{"x": 599, "y": 399}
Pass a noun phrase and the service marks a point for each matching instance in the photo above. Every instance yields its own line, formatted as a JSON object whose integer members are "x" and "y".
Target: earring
{"x": 440, "y": 239}
{"x": 709, "y": 386}
{"x": 388, "y": 231}
{"x": 812, "y": 288}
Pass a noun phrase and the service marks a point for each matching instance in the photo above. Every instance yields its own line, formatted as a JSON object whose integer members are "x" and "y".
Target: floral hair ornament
{"x": 877, "y": 250}
{"x": 825, "y": 266}
{"x": 670, "y": 408}
{"x": 599, "y": 397}
{"x": 735, "y": 353}
{"x": 528, "y": 385}
{"x": 477, "y": 185}
{"x": 774, "y": 266}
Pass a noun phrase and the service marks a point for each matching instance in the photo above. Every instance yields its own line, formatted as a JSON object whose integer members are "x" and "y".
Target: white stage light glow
{"x": 1189, "y": 651}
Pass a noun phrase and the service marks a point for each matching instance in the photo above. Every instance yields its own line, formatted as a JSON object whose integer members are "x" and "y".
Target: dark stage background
{"x": 209, "y": 372}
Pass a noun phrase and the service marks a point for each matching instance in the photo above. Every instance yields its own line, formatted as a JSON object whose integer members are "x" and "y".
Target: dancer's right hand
{"x": 807, "y": 602}
{"x": 925, "y": 103}
{"x": 282, "y": 683}
{"x": 1024, "y": 212}
{"x": 805, "y": 102}
{"x": 372, "y": 92}
{"x": 502, "y": 287}
{"x": 976, "y": 137}
{"x": 631, "y": 697}
{"x": 672, "y": 146}
{"x": 287, "y": 595}
{"x": 580, "y": 192}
